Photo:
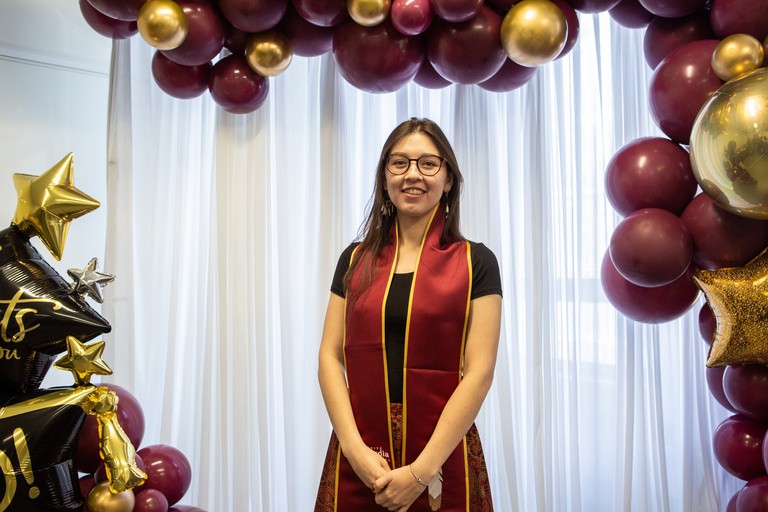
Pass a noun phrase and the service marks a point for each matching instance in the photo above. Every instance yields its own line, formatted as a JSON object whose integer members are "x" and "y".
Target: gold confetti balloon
{"x": 534, "y": 32}
{"x": 101, "y": 499}
{"x": 735, "y": 55}
{"x": 729, "y": 145}
{"x": 163, "y": 24}
{"x": 269, "y": 53}
{"x": 368, "y": 12}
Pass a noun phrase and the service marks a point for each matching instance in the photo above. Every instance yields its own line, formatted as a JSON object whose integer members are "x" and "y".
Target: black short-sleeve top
{"x": 486, "y": 280}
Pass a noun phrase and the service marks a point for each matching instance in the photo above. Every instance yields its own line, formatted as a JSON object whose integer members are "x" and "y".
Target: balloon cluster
{"x": 231, "y": 47}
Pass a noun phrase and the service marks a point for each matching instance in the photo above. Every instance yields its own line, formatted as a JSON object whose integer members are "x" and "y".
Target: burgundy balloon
{"x": 631, "y": 14}
{"x": 427, "y": 77}
{"x": 325, "y": 13}
{"x": 593, "y": 6}
{"x": 707, "y": 324}
{"x": 649, "y": 305}
{"x": 180, "y": 81}
{"x": 731, "y": 507}
{"x": 572, "y": 22}
{"x": 376, "y": 59}
{"x": 664, "y": 35}
{"x": 511, "y": 76}
{"x": 469, "y": 52}
{"x": 738, "y": 446}
{"x": 106, "y": 26}
{"x": 205, "y": 38}
{"x": 720, "y": 238}
{"x": 651, "y": 247}
{"x": 235, "y": 87}
{"x": 253, "y": 15}
{"x": 456, "y": 11}
{"x": 680, "y": 86}
{"x": 746, "y": 387}
{"x": 673, "y": 8}
{"x": 714, "y": 377}
{"x": 753, "y": 497}
{"x": 739, "y": 17}
{"x": 235, "y": 40}
{"x": 150, "y": 500}
{"x": 650, "y": 172}
{"x": 131, "y": 418}
{"x": 307, "y": 39}
{"x": 411, "y": 17}
{"x": 124, "y": 10}
{"x": 168, "y": 471}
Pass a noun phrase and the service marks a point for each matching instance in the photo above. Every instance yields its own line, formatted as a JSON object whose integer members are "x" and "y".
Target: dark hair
{"x": 375, "y": 229}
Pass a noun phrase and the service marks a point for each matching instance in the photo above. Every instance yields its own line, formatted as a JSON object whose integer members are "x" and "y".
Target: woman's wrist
{"x": 423, "y": 471}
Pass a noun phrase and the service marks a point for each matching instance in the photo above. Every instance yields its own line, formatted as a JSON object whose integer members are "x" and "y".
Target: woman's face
{"x": 413, "y": 194}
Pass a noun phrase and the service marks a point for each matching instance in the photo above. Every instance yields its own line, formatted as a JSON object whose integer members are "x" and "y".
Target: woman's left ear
{"x": 448, "y": 184}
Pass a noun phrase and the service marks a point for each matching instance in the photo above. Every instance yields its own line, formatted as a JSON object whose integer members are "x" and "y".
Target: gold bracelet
{"x": 417, "y": 478}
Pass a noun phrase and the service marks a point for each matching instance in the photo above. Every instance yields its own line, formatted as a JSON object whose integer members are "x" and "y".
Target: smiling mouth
{"x": 414, "y": 191}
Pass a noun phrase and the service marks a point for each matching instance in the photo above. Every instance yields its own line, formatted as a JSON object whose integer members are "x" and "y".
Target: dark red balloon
{"x": 511, "y": 76}
{"x": 376, "y": 59}
{"x": 720, "y": 238}
{"x": 307, "y": 39}
{"x": 235, "y": 40}
{"x": 649, "y": 305}
{"x": 168, "y": 471}
{"x": 715, "y": 384}
{"x": 738, "y": 446}
{"x": 106, "y": 26}
{"x": 707, "y": 324}
{"x": 456, "y": 11}
{"x": 593, "y": 6}
{"x": 253, "y": 15}
{"x": 572, "y": 21}
{"x": 125, "y": 10}
{"x": 673, "y": 8}
{"x": 630, "y": 14}
{"x": 650, "y": 172}
{"x": 651, "y": 247}
{"x": 664, "y": 35}
{"x": 235, "y": 87}
{"x": 753, "y": 497}
{"x": 411, "y": 17}
{"x": 427, "y": 77}
{"x": 325, "y": 13}
{"x": 680, "y": 86}
{"x": 205, "y": 38}
{"x": 131, "y": 418}
{"x": 746, "y": 387}
{"x": 739, "y": 17}
{"x": 150, "y": 500}
{"x": 469, "y": 52}
{"x": 731, "y": 507}
{"x": 177, "y": 80}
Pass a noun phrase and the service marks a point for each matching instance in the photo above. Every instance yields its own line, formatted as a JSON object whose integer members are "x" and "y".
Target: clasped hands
{"x": 395, "y": 489}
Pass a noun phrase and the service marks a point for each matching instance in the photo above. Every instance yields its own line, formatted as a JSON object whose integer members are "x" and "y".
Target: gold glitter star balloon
{"x": 83, "y": 360}
{"x": 47, "y": 203}
{"x": 738, "y": 297}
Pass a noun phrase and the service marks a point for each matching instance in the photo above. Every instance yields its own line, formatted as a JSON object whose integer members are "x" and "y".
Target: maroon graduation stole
{"x": 438, "y": 311}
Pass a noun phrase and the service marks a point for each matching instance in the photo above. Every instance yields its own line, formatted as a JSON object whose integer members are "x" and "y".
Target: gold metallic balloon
{"x": 534, "y": 32}
{"x": 269, "y": 53}
{"x": 737, "y": 297}
{"x": 737, "y": 54}
{"x": 368, "y": 12}
{"x": 163, "y": 24}
{"x": 729, "y": 145}
{"x": 101, "y": 499}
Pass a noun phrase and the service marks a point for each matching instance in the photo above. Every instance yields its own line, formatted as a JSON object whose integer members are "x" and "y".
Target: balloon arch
{"x": 708, "y": 95}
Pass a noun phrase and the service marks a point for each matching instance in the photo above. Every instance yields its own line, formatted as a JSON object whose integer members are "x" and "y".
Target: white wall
{"x": 54, "y": 81}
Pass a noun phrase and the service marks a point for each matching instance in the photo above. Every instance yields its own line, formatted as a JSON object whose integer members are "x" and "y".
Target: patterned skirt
{"x": 479, "y": 486}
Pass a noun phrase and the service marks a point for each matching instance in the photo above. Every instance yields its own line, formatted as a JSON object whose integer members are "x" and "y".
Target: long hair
{"x": 376, "y": 227}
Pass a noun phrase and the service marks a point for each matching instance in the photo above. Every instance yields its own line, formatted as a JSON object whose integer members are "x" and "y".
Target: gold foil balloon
{"x": 163, "y": 24}
{"x": 729, "y": 145}
{"x": 735, "y": 55}
{"x": 101, "y": 499}
{"x": 368, "y": 12}
{"x": 534, "y": 32}
{"x": 269, "y": 53}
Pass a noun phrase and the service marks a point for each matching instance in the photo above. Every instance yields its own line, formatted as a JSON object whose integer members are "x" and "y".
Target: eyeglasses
{"x": 428, "y": 165}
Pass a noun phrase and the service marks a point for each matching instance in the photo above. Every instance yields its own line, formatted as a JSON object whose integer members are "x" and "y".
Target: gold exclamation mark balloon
{"x": 25, "y": 461}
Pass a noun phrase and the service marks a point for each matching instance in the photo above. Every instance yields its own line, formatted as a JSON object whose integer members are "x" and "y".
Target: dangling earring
{"x": 386, "y": 208}
{"x": 447, "y": 205}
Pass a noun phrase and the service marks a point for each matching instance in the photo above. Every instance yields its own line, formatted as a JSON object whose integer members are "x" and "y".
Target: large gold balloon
{"x": 534, "y": 32}
{"x": 737, "y": 54}
{"x": 101, "y": 499}
{"x": 269, "y": 53}
{"x": 163, "y": 24}
{"x": 729, "y": 145}
{"x": 368, "y": 12}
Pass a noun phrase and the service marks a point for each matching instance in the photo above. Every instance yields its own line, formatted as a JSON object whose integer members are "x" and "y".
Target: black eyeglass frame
{"x": 418, "y": 165}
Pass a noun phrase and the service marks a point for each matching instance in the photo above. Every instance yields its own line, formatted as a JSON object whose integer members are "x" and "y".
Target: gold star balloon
{"x": 83, "y": 360}
{"x": 738, "y": 297}
{"x": 47, "y": 203}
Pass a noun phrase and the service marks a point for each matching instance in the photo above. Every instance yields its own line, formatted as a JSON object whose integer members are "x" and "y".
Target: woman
{"x": 409, "y": 342}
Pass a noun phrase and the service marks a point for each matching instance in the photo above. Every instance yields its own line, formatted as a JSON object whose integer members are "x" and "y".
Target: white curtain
{"x": 224, "y": 232}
